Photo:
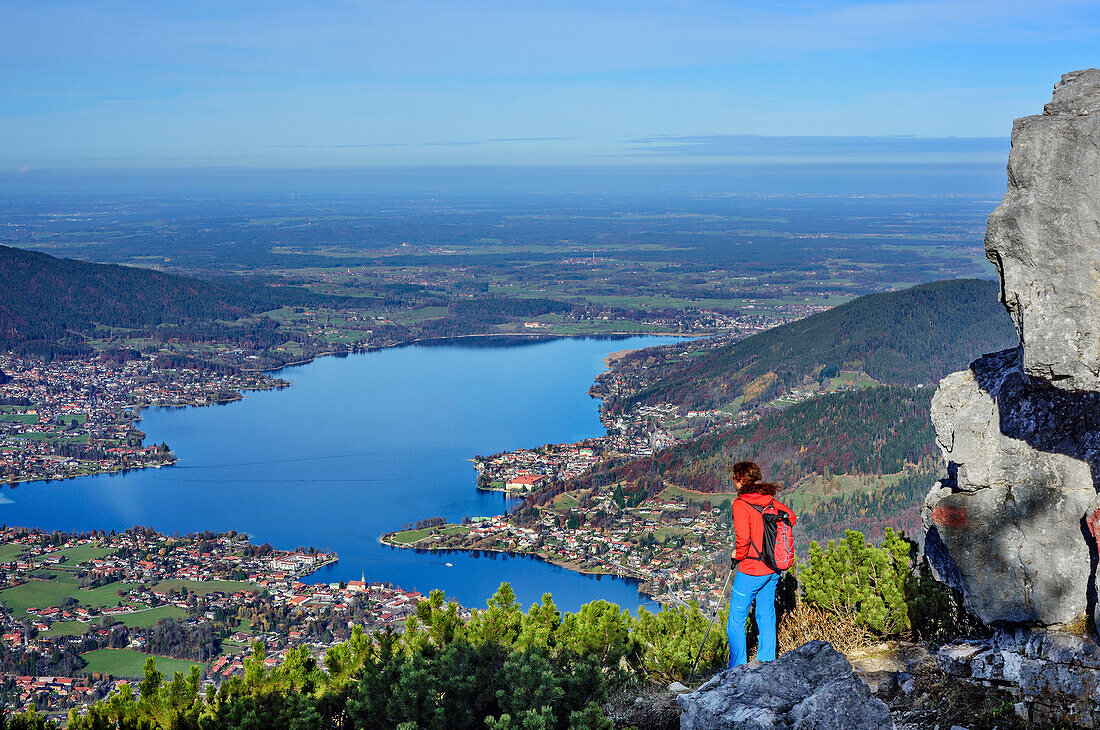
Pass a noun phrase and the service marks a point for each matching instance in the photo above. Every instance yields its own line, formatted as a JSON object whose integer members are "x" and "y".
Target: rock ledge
{"x": 810, "y": 687}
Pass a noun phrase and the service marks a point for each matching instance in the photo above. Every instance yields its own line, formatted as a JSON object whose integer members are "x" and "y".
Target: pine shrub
{"x": 860, "y": 583}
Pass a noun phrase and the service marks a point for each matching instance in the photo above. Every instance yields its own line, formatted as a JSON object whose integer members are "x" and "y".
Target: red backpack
{"x": 777, "y": 551}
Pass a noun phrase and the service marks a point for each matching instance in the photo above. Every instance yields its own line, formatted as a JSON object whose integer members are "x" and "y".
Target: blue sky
{"x": 361, "y": 83}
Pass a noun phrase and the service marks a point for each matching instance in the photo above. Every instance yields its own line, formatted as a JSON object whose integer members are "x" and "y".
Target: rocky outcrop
{"x": 1015, "y": 524}
{"x": 1044, "y": 239}
{"x": 1053, "y": 679}
{"x": 1005, "y": 527}
{"x": 810, "y": 687}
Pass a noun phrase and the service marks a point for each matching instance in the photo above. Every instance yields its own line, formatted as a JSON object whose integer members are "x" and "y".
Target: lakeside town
{"x": 80, "y": 614}
{"x": 675, "y": 544}
{"x": 70, "y": 418}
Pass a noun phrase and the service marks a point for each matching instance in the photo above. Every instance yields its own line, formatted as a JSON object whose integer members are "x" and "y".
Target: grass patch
{"x": 715, "y": 498}
{"x": 202, "y": 587}
{"x": 147, "y": 618}
{"x": 662, "y": 532}
{"x": 104, "y": 595}
{"x": 81, "y": 554}
{"x": 850, "y": 379}
{"x": 564, "y": 502}
{"x": 128, "y": 663}
{"x": 417, "y": 316}
{"x": 65, "y": 628}
{"x": 10, "y": 552}
{"x": 37, "y": 594}
{"x": 812, "y": 491}
{"x": 409, "y": 536}
{"x": 18, "y": 418}
{"x": 43, "y": 593}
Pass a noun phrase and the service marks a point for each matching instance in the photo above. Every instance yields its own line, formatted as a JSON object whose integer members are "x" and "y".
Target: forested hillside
{"x": 55, "y": 302}
{"x": 856, "y": 460}
{"x": 896, "y": 506}
{"x": 909, "y": 337}
{"x": 870, "y": 431}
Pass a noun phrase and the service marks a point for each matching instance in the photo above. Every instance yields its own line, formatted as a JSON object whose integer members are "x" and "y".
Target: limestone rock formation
{"x": 1044, "y": 239}
{"x": 1011, "y": 513}
{"x": 810, "y": 687}
{"x": 1054, "y": 676}
{"x": 1015, "y": 524}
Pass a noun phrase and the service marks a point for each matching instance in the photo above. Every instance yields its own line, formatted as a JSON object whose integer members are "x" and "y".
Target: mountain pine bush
{"x": 864, "y": 584}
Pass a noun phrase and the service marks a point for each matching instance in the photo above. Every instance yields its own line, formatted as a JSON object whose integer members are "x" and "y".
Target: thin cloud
{"x": 745, "y": 145}
{"x": 457, "y": 143}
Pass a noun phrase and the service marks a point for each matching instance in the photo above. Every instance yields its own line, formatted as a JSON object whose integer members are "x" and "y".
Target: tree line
{"x": 910, "y": 337}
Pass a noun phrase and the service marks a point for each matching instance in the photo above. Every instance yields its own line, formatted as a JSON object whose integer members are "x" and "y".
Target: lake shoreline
{"x": 360, "y": 476}
{"x": 641, "y": 581}
{"x": 501, "y": 335}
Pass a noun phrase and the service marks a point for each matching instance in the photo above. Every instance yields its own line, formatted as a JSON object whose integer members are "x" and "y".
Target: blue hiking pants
{"x": 745, "y": 588}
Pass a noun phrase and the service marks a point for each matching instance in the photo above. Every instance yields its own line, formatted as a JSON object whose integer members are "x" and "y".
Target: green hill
{"x": 50, "y": 304}
{"x": 871, "y": 431}
{"x": 856, "y": 460}
{"x": 909, "y": 337}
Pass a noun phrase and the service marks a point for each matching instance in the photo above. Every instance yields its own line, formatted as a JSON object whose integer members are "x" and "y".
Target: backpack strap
{"x": 760, "y": 510}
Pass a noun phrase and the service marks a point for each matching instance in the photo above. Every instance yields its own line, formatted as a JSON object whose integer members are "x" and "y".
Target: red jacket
{"x": 748, "y": 526}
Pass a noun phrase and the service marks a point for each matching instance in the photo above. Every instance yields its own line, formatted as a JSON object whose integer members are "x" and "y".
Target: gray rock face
{"x": 1055, "y": 677}
{"x": 1013, "y": 526}
{"x": 810, "y": 687}
{"x": 1044, "y": 238}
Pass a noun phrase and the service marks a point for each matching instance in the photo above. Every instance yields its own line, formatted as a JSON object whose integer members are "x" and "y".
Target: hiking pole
{"x": 711, "y": 624}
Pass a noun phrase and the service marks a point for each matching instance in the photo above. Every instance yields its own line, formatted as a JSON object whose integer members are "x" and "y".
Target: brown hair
{"x": 750, "y": 478}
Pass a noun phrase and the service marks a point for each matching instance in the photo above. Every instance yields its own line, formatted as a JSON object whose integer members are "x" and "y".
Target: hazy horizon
{"x": 986, "y": 179}
{"x": 377, "y": 84}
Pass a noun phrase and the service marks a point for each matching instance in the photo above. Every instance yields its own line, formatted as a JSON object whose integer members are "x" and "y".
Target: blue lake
{"x": 359, "y": 446}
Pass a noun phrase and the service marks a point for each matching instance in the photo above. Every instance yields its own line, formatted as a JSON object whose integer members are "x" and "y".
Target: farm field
{"x": 129, "y": 663}
{"x": 43, "y": 593}
{"x": 149, "y": 617}
{"x": 202, "y": 587}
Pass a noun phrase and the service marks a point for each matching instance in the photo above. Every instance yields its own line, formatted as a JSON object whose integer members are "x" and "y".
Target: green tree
{"x": 866, "y": 584}
{"x": 670, "y": 640}
{"x": 602, "y": 630}
{"x": 501, "y": 620}
{"x": 151, "y": 680}
{"x": 539, "y": 626}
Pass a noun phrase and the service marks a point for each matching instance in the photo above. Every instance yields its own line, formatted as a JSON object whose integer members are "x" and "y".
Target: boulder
{"x": 812, "y": 686}
{"x": 1011, "y": 526}
{"x": 1044, "y": 239}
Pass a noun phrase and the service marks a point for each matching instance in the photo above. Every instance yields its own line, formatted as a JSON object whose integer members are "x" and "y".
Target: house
{"x": 524, "y": 481}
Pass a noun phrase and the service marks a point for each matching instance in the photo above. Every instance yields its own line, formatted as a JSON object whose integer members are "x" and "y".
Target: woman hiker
{"x": 754, "y": 578}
